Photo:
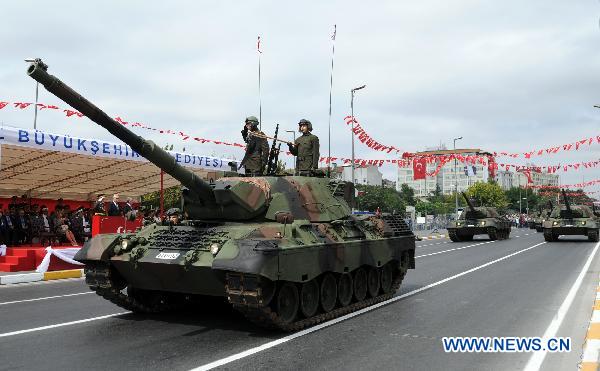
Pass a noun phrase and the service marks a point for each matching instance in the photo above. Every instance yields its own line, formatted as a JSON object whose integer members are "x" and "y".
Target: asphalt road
{"x": 481, "y": 288}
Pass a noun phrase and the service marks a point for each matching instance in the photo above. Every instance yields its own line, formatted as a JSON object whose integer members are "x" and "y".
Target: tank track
{"x": 100, "y": 280}
{"x": 265, "y": 317}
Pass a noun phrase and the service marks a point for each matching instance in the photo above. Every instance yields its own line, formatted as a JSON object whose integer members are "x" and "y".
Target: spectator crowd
{"x": 24, "y": 222}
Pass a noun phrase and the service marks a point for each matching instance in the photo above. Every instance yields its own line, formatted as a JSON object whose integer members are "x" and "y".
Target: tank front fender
{"x": 98, "y": 248}
{"x": 260, "y": 257}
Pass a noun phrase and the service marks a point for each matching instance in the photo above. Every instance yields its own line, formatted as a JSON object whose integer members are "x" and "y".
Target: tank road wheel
{"x": 493, "y": 233}
{"x": 373, "y": 282}
{"x": 539, "y": 229}
{"x": 453, "y": 235}
{"x": 287, "y": 303}
{"x": 328, "y": 292}
{"x": 549, "y": 235}
{"x": 344, "y": 289}
{"x": 360, "y": 284}
{"x": 309, "y": 298}
{"x": 593, "y": 235}
{"x": 386, "y": 276}
{"x": 150, "y": 301}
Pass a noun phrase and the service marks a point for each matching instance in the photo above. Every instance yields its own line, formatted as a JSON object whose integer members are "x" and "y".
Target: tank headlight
{"x": 583, "y": 222}
{"x": 125, "y": 244}
{"x": 214, "y": 248}
{"x": 458, "y": 223}
{"x": 555, "y": 223}
{"x": 483, "y": 222}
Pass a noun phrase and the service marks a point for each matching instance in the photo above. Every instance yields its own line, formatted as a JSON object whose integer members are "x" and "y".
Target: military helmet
{"x": 252, "y": 120}
{"x": 173, "y": 211}
{"x": 305, "y": 122}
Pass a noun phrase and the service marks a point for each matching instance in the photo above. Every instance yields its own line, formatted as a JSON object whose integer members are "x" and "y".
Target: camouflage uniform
{"x": 307, "y": 149}
{"x": 257, "y": 149}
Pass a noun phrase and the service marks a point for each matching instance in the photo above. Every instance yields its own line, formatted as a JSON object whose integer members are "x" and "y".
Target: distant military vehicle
{"x": 572, "y": 220}
{"x": 537, "y": 222}
{"x": 478, "y": 220}
{"x": 285, "y": 251}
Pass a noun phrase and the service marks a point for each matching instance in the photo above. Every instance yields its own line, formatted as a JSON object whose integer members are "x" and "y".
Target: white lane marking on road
{"x": 50, "y": 282}
{"x": 458, "y": 248}
{"x": 537, "y": 358}
{"x": 60, "y": 325}
{"x": 46, "y": 298}
{"x": 323, "y": 325}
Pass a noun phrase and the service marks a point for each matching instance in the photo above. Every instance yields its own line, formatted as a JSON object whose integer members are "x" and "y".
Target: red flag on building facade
{"x": 419, "y": 168}
{"x": 528, "y": 175}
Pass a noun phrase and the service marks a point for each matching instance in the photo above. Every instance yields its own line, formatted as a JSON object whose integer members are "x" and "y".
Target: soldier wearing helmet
{"x": 306, "y": 148}
{"x": 257, "y": 148}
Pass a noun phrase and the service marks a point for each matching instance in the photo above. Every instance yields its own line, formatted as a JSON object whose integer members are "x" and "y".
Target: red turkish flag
{"x": 419, "y": 168}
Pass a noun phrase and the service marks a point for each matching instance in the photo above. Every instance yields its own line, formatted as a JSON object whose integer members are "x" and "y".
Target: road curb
{"x": 59, "y": 275}
{"x": 34, "y": 277}
{"x": 590, "y": 360}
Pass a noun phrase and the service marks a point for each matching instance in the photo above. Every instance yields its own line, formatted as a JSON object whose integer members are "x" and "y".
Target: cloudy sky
{"x": 506, "y": 75}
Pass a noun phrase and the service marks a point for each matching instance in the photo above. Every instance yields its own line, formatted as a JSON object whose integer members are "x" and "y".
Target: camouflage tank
{"x": 478, "y": 220}
{"x": 572, "y": 220}
{"x": 285, "y": 251}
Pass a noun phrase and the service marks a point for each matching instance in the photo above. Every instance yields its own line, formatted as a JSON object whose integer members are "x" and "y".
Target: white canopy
{"x": 46, "y": 165}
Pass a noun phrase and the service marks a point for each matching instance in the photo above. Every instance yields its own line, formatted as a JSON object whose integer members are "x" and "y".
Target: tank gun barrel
{"x": 471, "y": 206}
{"x": 146, "y": 148}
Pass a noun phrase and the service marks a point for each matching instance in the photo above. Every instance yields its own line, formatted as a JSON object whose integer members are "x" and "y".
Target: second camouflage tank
{"x": 478, "y": 220}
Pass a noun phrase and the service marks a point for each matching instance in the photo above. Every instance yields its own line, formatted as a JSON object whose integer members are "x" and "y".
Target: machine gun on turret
{"x": 273, "y": 154}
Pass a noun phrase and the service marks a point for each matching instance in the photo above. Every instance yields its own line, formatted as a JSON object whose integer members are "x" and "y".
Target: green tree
{"x": 373, "y": 197}
{"x": 172, "y": 198}
{"x": 528, "y": 199}
{"x": 407, "y": 194}
{"x": 280, "y": 170}
{"x": 487, "y": 194}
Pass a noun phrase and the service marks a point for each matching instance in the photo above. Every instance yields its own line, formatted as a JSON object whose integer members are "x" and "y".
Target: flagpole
{"x": 330, "y": 91}
{"x": 259, "y": 92}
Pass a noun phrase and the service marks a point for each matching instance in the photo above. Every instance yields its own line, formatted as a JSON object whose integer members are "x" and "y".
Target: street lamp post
{"x": 37, "y": 89}
{"x": 296, "y": 157}
{"x": 455, "y": 179}
{"x": 352, "y": 114}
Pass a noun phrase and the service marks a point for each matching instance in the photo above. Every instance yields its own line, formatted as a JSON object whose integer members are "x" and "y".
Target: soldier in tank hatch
{"x": 306, "y": 147}
{"x": 257, "y": 148}
{"x": 174, "y": 216}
